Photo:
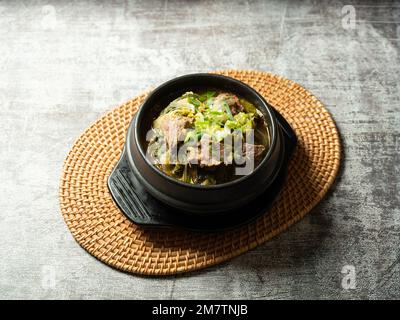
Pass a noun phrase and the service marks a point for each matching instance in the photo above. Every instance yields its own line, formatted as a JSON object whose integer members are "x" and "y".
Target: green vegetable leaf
{"x": 210, "y": 94}
{"x": 228, "y": 110}
{"x": 248, "y": 107}
{"x": 191, "y": 135}
{"x": 194, "y": 101}
{"x": 231, "y": 124}
{"x": 216, "y": 113}
{"x": 206, "y": 96}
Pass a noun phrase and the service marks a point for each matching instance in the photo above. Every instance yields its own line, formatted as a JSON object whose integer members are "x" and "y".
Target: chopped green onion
{"x": 194, "y": 101}
{"x": 210, "y": 94}
{"x": 228, "y": 110}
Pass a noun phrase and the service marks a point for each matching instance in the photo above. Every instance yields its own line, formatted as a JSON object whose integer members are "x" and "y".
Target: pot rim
{"x": 142, "y": 113}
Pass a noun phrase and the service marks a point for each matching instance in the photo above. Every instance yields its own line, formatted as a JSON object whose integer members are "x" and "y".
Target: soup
{"x": 203, "y": 137}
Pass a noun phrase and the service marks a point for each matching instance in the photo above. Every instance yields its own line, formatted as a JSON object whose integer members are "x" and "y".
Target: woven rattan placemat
{"x": 99, "y": 227}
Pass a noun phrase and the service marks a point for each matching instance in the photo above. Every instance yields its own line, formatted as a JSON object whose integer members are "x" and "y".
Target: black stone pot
{"x": 135, "y": 183}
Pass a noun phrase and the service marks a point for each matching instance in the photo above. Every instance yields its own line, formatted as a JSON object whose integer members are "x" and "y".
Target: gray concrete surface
{"x": 65, "y": 63}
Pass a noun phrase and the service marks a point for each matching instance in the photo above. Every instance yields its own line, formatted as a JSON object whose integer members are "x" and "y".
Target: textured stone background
{"x": 65, "y": 63}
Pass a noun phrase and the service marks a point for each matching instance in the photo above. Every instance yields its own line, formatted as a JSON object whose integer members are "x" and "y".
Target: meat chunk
{"x": 204, "y": 158}
{"x": 253, "y": 151}
{"x": 195, "y": 155}
{"x": 173, "y": 127}
{"x": 232, "y": 101}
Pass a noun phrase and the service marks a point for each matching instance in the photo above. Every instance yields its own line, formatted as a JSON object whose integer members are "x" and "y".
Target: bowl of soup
{"x": 205, "y": 144}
